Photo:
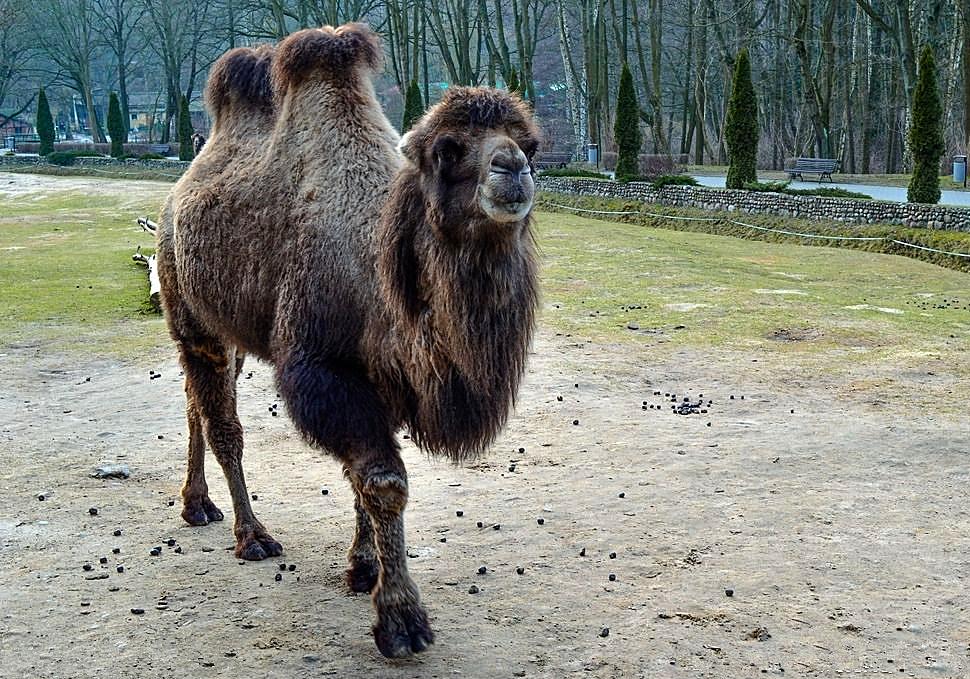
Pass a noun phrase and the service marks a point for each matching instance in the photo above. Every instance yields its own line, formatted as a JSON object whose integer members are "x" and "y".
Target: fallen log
{"x": 154, "y": 286}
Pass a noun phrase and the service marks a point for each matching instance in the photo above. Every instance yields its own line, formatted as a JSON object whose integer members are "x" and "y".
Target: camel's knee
{"x": 384, "y": 494}
{"x": 203, "y": 355}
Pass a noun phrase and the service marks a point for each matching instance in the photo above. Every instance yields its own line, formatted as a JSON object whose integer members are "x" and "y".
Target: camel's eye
{"x": 529, "y": 148}
{"x": 447, "y": 152}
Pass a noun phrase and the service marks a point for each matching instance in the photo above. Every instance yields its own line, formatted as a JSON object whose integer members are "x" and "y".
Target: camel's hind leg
{"x": 197, "y": 508}
{"x": 210, "y": 383}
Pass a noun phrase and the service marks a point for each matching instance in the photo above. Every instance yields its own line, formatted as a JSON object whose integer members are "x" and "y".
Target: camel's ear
{"x": 408, "y": 147}
{"x": 446, "y": 152}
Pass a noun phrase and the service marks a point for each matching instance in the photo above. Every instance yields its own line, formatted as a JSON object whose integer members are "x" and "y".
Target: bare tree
{"x": 67, "y": 33}
{"x": 118, "y": 21}
{"x": 178, "y": 31}
{"x": 15, "y": 50}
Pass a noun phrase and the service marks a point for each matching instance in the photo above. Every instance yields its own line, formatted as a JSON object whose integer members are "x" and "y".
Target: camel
{"x": 391, "y": 284}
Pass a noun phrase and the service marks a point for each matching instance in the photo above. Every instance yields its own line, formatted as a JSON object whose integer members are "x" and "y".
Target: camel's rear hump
{"x": 330, "y": 53}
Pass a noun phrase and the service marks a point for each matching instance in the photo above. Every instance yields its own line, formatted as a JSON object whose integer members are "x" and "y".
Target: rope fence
{"x": 819, "y": 236}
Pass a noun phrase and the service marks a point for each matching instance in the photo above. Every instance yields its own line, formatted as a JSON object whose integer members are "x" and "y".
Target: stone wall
{"x": 757, "y": 202}
{"x": 174, "y": 166}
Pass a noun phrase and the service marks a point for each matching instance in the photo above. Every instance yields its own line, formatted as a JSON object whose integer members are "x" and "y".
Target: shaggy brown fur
{"x": 386, "y": 292}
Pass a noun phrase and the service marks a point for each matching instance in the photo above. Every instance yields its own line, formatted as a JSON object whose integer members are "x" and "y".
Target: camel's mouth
{"x": 500, "y": 211}
{"x": 507, "y": 192}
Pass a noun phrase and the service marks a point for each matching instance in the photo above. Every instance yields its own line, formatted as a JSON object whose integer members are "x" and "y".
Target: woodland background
{"x": 834, "y": 78}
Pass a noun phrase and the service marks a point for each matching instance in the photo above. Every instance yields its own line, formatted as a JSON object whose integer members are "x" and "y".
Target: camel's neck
{"x": 465, "y": 342}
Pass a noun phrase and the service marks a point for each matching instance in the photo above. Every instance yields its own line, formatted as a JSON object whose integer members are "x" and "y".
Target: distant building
{"x": 148, "y": 111}
{"x": 16, "y": 127}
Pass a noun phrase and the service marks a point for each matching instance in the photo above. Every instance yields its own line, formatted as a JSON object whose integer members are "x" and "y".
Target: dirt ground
{"x": 749, "y": 540}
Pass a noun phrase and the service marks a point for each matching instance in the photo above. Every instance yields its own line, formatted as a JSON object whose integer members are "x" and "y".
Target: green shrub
{"x": 67, "y": 157}
{"x": 626, "y": 130}
{"x": 151, "y": 156}
{"x": 823, "y": 191}
{"x": 627, "y": 178}
{"x": 572, "y": 172}
{"x": 768, "y": 187}
{"x": 45, "y": 124}
{"x": 673, "y": 180}
{"x": 828, "y": 192}
{"x": 741, "y": 127}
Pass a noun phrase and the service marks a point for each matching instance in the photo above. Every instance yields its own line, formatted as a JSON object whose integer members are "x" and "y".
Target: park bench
{"x": 551, "y": 160}
{"x": 160, "y": 149}
{"x": 823, "y": 167}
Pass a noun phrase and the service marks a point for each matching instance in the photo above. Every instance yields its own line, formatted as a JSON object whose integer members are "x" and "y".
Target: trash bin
{"x": 11, "y": 143}
{"x": 959, "y": 169}
{"x": 593, "y": 154}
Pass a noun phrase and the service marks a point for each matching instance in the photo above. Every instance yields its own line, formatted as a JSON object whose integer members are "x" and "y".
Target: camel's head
{"x": 474, "y": 152}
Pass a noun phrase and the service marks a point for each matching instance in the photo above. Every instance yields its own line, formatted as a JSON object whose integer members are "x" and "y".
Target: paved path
{"x": 893, "y": 193}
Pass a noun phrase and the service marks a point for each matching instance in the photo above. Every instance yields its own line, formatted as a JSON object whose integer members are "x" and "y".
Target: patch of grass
{"x": 67, "y": 278}
{"x": 827, "y": 308}
{"x": 949, "y": 241}
{"x": 67, "y": 283}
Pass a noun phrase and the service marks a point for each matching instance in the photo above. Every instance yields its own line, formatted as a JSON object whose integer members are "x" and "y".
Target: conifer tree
{"x": 626, "y": 129}
{"x": 413, "y": 106}
{"x": 513, "y": 83}
{"x": 741, "y": 127}
{"x": 45, "y": 124}
{"x": 926, "y": 134}
{"x": 116, "y": 127}
{"x": 185, "y": 130}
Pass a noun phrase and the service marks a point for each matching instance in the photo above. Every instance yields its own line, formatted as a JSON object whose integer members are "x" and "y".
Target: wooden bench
{"x": 160, "y": 149}
{"x": 823, "y": 167}
{"x": 550, "y": 160}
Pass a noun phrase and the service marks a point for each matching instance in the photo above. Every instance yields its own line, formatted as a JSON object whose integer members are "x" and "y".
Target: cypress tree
{"x": 45, "y": 124}
{"x": 926, "y": 134}
{"x": 626, "y": 129}
{"x": 116, "y": 127}
{"x": 185, "y": 130}
{"x": 741, "y": 127}
{"x": 413, "y": 106}
{"x": 513, "y": 84}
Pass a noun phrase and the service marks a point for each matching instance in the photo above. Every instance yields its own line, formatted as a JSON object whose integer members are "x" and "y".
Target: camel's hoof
{"x": 256, "y": 546}
{"x": 362, "y": 574}
{"x": 402, "y": 630}
{"x": 200, "y": 511}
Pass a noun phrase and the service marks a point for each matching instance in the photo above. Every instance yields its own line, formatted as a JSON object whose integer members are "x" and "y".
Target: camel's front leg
{"x": 402, "y": 625}
{"x": 364, "y": 566}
